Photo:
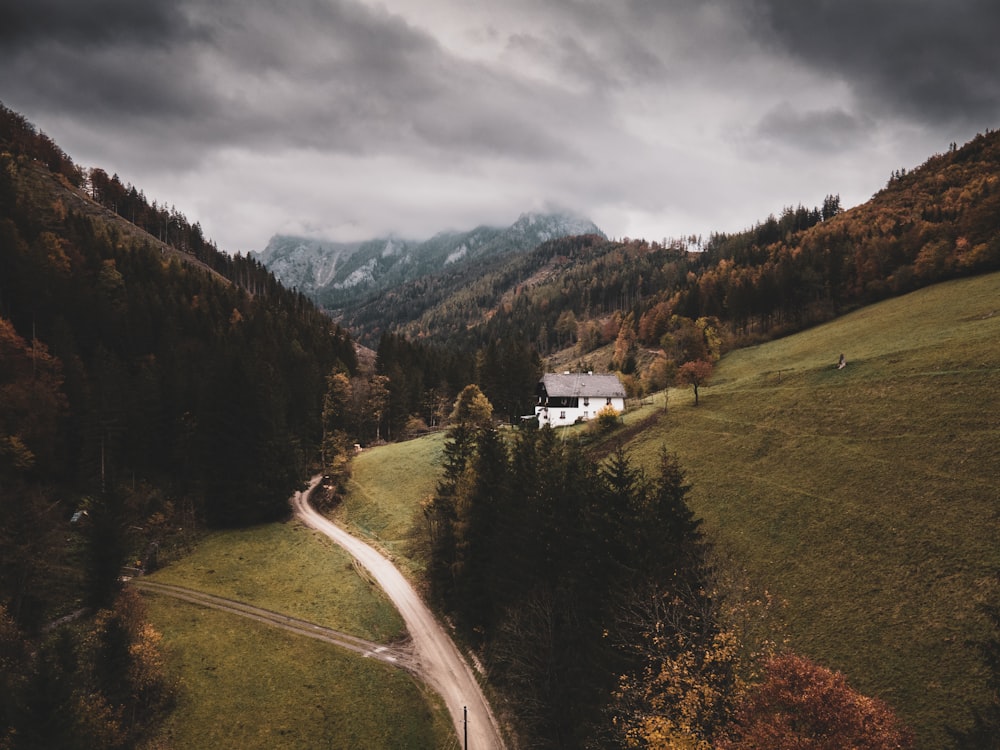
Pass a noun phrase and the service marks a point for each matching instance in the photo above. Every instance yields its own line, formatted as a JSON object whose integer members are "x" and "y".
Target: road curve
{"x": 439, "y": 660}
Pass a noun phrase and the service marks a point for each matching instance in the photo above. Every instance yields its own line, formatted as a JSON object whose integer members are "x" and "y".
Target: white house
{"x": 572, "y": 397}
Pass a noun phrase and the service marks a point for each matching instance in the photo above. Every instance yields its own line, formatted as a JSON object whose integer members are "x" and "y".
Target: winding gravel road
{"x": 439, "y": 662}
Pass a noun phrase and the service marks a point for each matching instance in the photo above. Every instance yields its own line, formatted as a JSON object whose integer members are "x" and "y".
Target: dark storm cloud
{"x": 327, "y": 75}
{"x": 38, "y": 23}
{"x": 929, "y": 61}
{"x": 617, "y": 45}
{"x": 362, "y": 80}
{"x": 103, "y": 61}
{"x": 369, "y": 116}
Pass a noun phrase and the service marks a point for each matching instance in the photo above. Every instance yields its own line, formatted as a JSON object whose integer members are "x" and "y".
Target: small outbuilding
{"x": 576, "y": 397}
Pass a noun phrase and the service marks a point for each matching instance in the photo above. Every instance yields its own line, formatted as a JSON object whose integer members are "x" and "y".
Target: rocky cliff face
{"x": 337, "y": 272}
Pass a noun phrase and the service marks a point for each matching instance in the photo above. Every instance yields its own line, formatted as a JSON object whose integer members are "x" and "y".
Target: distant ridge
{"x": 336, "y": 273}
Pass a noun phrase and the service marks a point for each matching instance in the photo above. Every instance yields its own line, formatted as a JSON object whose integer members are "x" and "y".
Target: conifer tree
{"x": 984, "y": 732}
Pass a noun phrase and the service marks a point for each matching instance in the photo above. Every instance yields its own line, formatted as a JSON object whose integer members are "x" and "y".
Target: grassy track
{"x": 868, "y": 497}
{"x": 288, "y": 568}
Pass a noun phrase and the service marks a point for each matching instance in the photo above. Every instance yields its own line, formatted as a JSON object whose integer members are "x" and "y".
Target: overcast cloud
{"x": 350, "y": 119}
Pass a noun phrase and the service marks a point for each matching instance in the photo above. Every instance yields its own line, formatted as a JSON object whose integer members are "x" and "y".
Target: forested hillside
{"x": 660, "y": 313}
{"x": 790, "y": 271}
{"x": 148, "y": 385}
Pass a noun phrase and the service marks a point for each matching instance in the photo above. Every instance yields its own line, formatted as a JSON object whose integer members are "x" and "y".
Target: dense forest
{"x": 148, "y": 385}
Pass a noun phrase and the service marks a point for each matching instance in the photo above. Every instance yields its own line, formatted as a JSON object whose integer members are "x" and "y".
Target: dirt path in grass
{"x": 439, "y": 662}
{"x": 396, "y": 656}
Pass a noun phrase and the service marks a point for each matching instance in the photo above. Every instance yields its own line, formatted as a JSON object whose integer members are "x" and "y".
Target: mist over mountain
{"x": 335, "y": 274}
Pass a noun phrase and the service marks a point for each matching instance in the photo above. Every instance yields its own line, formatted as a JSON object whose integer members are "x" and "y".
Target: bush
{"x": 803, "y": 705}
{"x": 607, "y": 420}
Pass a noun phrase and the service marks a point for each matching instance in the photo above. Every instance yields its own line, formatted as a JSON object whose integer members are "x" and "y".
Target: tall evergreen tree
{"x": 481, "y": 501}
{"x": 984, "y": 732}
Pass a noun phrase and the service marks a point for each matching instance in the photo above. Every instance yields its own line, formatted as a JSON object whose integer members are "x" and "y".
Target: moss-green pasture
{"x": 866, "y": 497}
{"x": 242, "y": 684}
{"x": 288, "y": 568}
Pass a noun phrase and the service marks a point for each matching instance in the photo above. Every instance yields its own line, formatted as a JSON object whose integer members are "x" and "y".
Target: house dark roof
{"x": 582, "y": 384}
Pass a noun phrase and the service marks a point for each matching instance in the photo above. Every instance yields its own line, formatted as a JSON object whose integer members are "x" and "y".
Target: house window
{"x": 586, "y": 402}
{"x": 562, "y": 415}
{"x": 609, "y": 400}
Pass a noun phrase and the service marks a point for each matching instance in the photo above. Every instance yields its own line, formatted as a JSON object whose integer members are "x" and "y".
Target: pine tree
{"x": 984, "y": 733}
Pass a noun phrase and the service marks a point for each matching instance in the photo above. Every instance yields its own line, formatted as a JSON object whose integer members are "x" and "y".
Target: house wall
{"x": 587, "y": 409}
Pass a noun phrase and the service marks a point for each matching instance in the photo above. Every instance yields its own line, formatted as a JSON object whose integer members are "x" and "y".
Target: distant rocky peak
{"x": 332, "y": 269}
{"x": 552, "y": 225}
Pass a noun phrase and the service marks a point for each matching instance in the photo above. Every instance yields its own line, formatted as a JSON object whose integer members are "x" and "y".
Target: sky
{"x": 353, "y": 119}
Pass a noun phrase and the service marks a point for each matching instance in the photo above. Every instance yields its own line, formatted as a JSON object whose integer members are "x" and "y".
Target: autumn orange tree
{"x": 32, "y": 407}
{"x": 31, "y": 402}
{"x": 106, "y": 690}
{"x": 695, "y": 373}
{"x": 802, "y": 706}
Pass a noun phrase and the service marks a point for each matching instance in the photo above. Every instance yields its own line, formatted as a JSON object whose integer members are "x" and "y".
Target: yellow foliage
{"x": 98, "y": 721}
{"x": 703, "y": 652}
{"x": 147, "y": 665}
{"x": 52, "y": 247}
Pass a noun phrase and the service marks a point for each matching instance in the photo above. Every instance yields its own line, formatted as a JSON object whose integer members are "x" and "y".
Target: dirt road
{"x": 439, "y": 662}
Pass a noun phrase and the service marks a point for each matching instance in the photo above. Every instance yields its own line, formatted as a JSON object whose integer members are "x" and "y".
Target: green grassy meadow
{"x": 245, "y": 685}
{"x": 867, "y": 497}
{"x": 242, "y": 684}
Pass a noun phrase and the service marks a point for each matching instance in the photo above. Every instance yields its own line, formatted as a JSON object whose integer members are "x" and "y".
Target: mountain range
{"x": 336, "y": 274}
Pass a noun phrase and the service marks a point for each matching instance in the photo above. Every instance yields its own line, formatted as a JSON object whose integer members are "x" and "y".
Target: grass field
{"x": 245, "y": 685}
{"x": 868, "y": 498}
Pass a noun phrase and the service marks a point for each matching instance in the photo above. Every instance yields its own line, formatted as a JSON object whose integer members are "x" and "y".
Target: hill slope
{"x": 148, "y": 383}
{"x": 866, "y": 497}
